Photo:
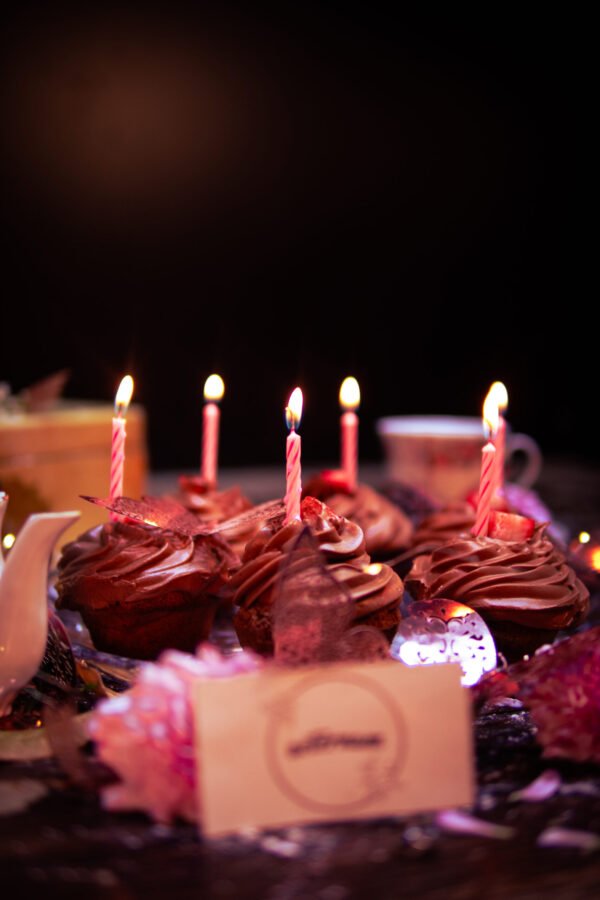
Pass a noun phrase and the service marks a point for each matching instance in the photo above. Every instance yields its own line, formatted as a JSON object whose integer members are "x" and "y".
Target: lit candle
{"x": 293, "y": 473}
{"x": 119, "y": 422}
{"x": 500, "y": 396}
{"x": 214, "y": 389}
{"x": 349, "y": 401}
{"x": 486, "y": 480}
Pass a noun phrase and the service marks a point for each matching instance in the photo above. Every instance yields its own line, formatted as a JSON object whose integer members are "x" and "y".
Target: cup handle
{"x": 522, "y": 443}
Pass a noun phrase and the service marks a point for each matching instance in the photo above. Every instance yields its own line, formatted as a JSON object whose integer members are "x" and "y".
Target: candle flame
{"x": 124, "y": 394}
{"x": 595, "y": 559}
{"x": 500, "y": 394}
{"x": 584, "y": 537}
{"x": 214, "y": 388}
{"x": 8, "y": 540}
{"x": 350, "y": 394}
{"x": 293, "y": 411}
{"x": 491, "y": 414}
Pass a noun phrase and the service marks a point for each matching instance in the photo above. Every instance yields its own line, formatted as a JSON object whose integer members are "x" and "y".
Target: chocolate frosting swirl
{"x": 525, "y": 582}
{"x": 386, "y": 528}
{"x": 372, "y": 586}
{"x": 128, "y": 564}
{"x": 442, "y": 526}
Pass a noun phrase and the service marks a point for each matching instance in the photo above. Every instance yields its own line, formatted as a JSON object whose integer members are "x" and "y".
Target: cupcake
{"x": 142, "y": 589}
{"x": 374, "y": 588}
{"x": 455, "y": 519}
{"x": 515, "y": 577}
{"x": 386, "y": 528}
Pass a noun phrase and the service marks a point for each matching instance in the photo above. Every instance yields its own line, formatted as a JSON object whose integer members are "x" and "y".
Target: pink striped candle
{"x": 117, "y": 455}
{"x": 488, "y": 462}
{"x": 500, "y": 396}
{"x": 486, "y": 484}
{"x": 349, "y": 401}
{"x": 214, "y": 388}
{"x": 293, "y": 470}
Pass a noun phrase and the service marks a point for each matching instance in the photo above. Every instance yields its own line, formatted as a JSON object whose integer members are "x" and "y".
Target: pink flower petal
{"x": 569, "y": 837}
{"x": 545, "y": 786}
{"x": 463, "y": 823}
{"x": 147, "y": 735}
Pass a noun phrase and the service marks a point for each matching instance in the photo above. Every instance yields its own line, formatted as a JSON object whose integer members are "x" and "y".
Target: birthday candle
{"x": 486, "y": 480}
{"x": 119, "y": 423}
{"x": 293, "y": 470}
{"x": 214, "y": 389}
{"x": 349, "y": 401}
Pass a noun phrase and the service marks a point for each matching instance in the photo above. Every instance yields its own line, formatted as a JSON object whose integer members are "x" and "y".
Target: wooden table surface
{"x": 66, "y": 846}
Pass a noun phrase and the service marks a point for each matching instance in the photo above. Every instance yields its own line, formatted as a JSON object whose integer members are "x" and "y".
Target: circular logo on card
{"x": 335, "y": 742}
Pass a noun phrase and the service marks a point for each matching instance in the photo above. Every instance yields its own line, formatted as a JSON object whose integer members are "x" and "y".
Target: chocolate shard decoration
{"x": 268, "y": 511}
{"x": 313, "y": 613}
{"x": 159, "y": 512}
{"x": 169, "y": 514}
{"x": 442, "y": 631}
{"x": 44, "y": 394}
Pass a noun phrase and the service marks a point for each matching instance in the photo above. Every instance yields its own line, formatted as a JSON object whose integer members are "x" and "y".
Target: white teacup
{"x": 441, "y": 455}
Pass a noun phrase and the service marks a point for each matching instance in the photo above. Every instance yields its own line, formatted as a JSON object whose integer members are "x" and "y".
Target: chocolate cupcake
{"x": 386, "y": 528}
{"x": 141, "y": 590}
{"x": 375, "y": 589}
{"x": 523, "y": 588}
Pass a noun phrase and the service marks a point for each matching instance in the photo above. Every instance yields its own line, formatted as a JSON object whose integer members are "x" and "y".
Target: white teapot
{"x": 23, "y": 600}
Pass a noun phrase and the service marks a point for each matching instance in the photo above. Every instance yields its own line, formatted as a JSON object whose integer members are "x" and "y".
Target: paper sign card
{"x": 343, "y": 741}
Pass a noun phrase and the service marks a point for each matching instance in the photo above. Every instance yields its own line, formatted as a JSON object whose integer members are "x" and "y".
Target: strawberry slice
{"x": 509, "y": 527}
{"x": 335, "y": 480}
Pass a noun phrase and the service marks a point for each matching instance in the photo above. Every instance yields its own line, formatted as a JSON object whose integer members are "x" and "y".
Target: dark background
{"x": 289, "y": 195}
